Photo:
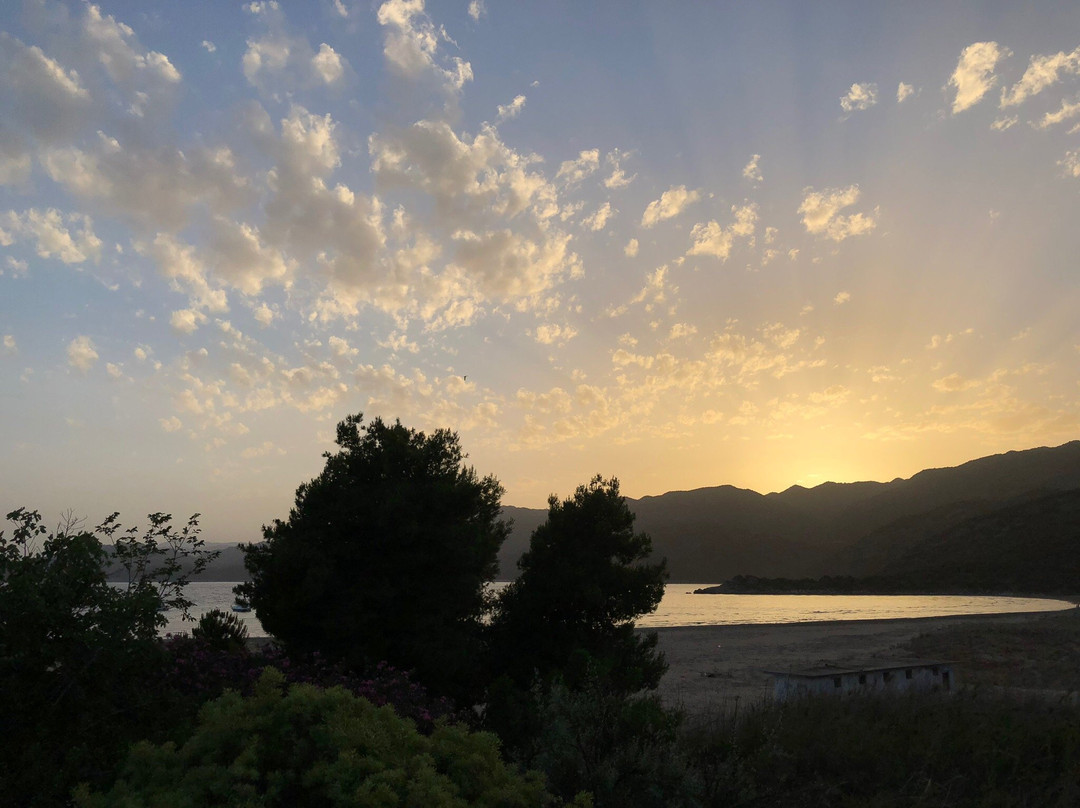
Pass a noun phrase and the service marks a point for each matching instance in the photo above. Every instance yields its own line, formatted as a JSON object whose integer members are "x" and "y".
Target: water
{"x": 680, "y": 607}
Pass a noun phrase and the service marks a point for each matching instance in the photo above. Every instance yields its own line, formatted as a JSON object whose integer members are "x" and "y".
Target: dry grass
{"x": 1040, "y": 653}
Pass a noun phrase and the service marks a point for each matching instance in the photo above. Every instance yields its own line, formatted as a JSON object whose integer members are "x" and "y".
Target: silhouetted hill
{"x": 713, "y": 534}
{"x": 1031, "y": 546}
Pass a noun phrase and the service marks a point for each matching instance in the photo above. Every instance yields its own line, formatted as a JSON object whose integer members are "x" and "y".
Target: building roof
{"x": 822, "y": 671}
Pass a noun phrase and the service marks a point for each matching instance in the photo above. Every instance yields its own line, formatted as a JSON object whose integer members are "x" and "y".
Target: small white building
{"x": 912, "y": 676}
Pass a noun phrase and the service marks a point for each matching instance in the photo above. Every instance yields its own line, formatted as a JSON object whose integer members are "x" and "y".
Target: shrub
{"x": 220, "y": 630}
{"x": 303, "y": 746}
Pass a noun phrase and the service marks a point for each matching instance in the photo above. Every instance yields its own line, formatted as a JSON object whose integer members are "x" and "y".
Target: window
{"x": 908, "y": 674}
{"x": 862, "y": 678}
{"x": 836, "y": 681}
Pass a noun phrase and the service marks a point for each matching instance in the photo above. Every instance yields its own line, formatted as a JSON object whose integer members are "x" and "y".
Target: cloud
{"x": 904, "y": 92}
{"x": 282, "y": 61}
{"x": 618, "y": 178}
{"x": 51, "y": 236}
{"x": 209, "y": 46}
{"x": 631, "y": 248}
{"x": 842, "y": 298}
{"x": 974, "y": 74}
{"x": 264, "y": 315}
{"x": 477, "y": 9}
{"x": 82, "y": 353}
{"x": 171, "y": 424}
{"x": 821, "y": 213}
{"x": 1001, "y": 124}
{"x": 599, "y": 219}
{"x": 511, "y": 110}
{"x": 412, "y": 44}
{"x": 859, "y": 97}
{"x": 1070, "y": 164}
{"x": 9, "y": 345}
{"x": 954, "y": 383}
{"x": 1042, "y": 71}
{"x": 328, "y": 64}
{"x": 574, "y": 171}
{"x": 670, "y": 204}
{"x": 549, "y": 334}
{"x": 186, "y": 321}
{"x": 712, "y": 239}
{"x": 1067, "y": 110}
{"x": 751, "y": 171}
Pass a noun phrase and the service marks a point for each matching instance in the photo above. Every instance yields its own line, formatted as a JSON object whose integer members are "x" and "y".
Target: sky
{"x": 684, "y": 244}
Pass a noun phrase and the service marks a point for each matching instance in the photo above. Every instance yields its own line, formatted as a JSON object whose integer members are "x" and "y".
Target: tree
{"x": 78, "y": 655}
{"x": 384, "y": 557}
{"x": 583, "y": 581}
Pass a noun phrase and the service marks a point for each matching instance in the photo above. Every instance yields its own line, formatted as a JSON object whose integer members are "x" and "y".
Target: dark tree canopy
{"x": 584, "y": 580}
{"x": 384, "y": 556}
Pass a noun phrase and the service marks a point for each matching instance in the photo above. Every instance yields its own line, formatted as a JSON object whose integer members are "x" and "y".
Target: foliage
{"x": 312, "y": 747}
{"x": 620, "y": 749}
{"x": 220, "y": 630}
{"x": 201, "y": 671}
{"x": 76, "y": 653}
{"x": 384, "y": 557}
{"x": 583, "y": 581}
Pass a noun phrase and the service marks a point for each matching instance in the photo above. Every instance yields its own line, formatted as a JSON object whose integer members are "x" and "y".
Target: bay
{"x": 680, "y": 607}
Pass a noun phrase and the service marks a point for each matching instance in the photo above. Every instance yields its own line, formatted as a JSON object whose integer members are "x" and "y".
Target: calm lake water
{"x": 680, "y": 607}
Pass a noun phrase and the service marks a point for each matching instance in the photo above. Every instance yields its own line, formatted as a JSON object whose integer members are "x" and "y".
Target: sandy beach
{"x": 720, "y": 667}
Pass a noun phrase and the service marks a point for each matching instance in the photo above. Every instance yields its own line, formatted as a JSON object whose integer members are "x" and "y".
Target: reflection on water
{"x": 680, "y": 607}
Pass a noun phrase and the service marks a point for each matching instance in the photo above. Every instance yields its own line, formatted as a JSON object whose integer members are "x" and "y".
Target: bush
{"x": 222, "y": 631}
{"x": 303, "y": 746}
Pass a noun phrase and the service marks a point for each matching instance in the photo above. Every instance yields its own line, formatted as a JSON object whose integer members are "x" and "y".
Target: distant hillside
{"x": 713, "y": 534}
{"x": 1031, "y": 546}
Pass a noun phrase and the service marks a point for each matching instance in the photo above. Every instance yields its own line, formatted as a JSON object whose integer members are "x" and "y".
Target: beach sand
{"x": 719, "y": 668}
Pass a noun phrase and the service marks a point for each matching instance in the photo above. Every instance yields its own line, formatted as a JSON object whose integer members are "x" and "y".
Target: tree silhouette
{"x": 384, "y": 557}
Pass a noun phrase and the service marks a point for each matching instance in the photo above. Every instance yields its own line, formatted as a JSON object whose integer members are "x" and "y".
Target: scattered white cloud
{"x": 712, "y": 239}
{"x": 1003, "y": 123}
{"x": 186, "y": 321}
{"x": 618, "y": 177}
{"x": 550, "y": 334}
{"x": 1042, "y": 71}
{"x": 904, "y": 92}
{"x": 821, "y": 213}
{"x": 681, "y": 330}
{"x": 412, "y": 45}
{"x": 264, "y": 315}
{"x": 751, "y": 171}
{"x": 670, "y": 204}
{"x": 82, "y": 353}
{"x": 10, "y": 346}
{"x": 328, "y": 64}
{"x": 477, "y": 9}
{"x": 631, "y": 248}
{"x": 209, "y": 46}
{"x": 974, "y": 74}
{"x": 574, "y": 171}
{"x": 859, "y": 97}
{"x": 511, "y": 110}
{"x": 954, "y": 383}
{"x": 598, "y": 220}
{"x": 48, "y": 229}
{"x": 1067, "y": 110}
{"x": 170, "y": 424}
{"x": 842, "y": 298}
{"x": 1070, "y": 163}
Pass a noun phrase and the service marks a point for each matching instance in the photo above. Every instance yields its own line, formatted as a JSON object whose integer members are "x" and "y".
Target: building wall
{"x": 915, "y": 679}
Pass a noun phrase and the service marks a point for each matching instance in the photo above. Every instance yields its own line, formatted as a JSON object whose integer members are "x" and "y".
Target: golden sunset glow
{"x": 696, "y": 245}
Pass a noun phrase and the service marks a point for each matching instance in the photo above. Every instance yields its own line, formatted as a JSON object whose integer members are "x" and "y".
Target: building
{"x": 912, "y": 676}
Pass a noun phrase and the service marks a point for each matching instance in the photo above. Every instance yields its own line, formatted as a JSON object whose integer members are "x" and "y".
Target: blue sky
{"x": 683, "y": 244}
